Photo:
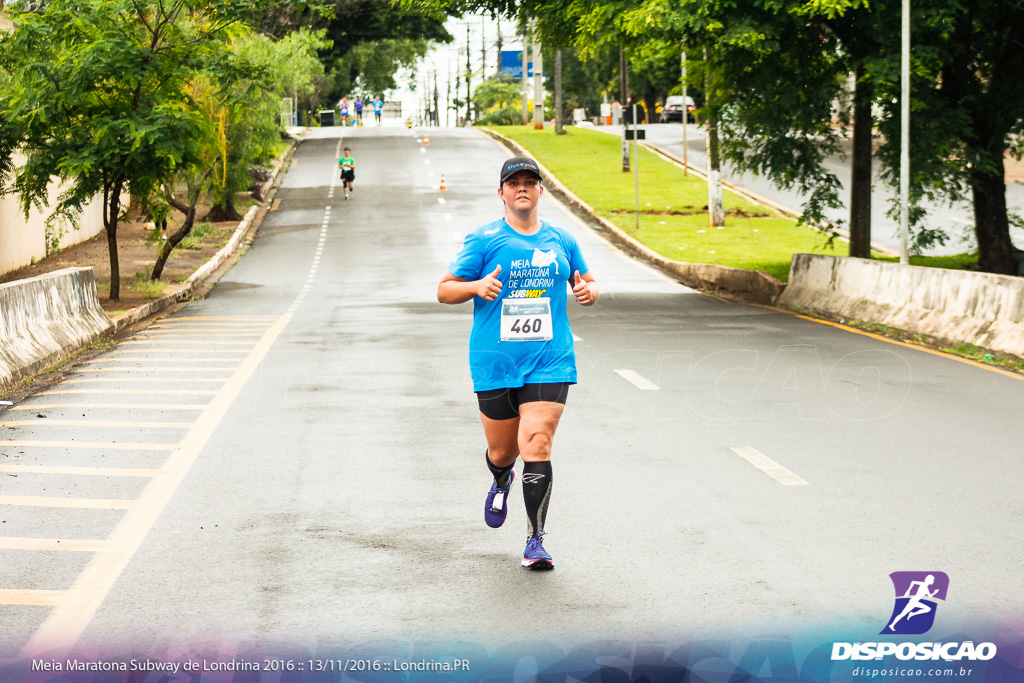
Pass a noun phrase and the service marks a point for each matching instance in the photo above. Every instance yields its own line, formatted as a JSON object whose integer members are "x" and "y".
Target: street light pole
{"x": 905, "y": 137}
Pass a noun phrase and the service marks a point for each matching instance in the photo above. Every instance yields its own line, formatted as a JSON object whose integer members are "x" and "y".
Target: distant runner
{"x": 359, "y": 110}
{"x": 378, "y": 105}
{"x": 343, "y": 109}
{"x": 348, "y": 171}
{"x": 521, "y": 355}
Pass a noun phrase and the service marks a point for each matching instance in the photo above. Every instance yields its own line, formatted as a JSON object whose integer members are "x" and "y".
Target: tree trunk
{"x": 175, "y": 239}
{"x": 559, "y": 123}
{"x": 860, "y": 176}
{"x": 623, "y": 100}
{"x": 110, "y": 219}
{"x": 225, "y": 211}
{"x": 716, "y": 205}
{"x": 996, "y": 253}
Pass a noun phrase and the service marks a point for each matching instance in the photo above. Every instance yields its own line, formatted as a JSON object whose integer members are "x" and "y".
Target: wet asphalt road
{"x": 296, "y": 461}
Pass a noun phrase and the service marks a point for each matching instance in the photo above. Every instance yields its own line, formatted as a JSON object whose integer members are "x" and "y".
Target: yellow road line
{"x": 144, "y": 406}
{"x": 147, "y": 392}
{"x": 82, "y": 503}
{"x": 97, "y": 361}
{"x": 60, "y": 544}
{"x": 178, "y": 335}
{"x": 188, "y": 351}
{"x": 275, "y": 204}
{"x": 149, "y": 368}
{"x": 188, "y": 343}
{"x": 97, "y": 423}
{"x": 87, "y": 471}
{"x": 209, "y": 327}
{"x": 110, "y": 446}
{"x": 70, "y": 617}
{"x": 897, "y": 342}
{"x": 14, "y": 596}
{"x": 143, "y": 379}
{"x": 269, "y": 319}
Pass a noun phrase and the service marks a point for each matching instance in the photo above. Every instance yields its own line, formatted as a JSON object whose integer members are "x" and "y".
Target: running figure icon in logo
{"x": 916, "y": 595}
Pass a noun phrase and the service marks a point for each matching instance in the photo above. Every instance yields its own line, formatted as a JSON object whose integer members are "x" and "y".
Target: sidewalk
{"x": 137, "y": 252}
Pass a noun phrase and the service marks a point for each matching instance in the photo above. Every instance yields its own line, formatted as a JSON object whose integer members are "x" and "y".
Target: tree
{"x": 967, "y": 113}
{"x": 249, "y": 110}
{"x": 97, "y": 97}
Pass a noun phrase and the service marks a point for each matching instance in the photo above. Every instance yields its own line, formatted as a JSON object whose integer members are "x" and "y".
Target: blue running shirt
{"x": 534, "y": 272}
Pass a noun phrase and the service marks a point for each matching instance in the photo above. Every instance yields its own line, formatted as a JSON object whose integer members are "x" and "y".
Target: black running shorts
{"x": 348, "y": 176}
{"x": 503, "y": 404}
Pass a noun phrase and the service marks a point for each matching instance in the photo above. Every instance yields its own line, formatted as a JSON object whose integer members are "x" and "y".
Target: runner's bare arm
{"x": 456, "y": 290}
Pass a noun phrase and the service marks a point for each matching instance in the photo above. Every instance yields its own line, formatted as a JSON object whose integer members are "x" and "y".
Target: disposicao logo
{"x": 917, "y": 596}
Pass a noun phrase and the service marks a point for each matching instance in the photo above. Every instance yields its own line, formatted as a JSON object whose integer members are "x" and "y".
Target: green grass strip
{"x": 673, "y": 206}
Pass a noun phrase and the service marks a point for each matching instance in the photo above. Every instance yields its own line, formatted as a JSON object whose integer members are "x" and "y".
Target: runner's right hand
{"x": 490, "y": 287}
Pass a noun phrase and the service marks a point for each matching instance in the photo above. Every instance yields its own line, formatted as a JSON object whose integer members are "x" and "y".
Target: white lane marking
{"x": 576, "y": 338}
{"x": 637, "y": 380}
{"x": 448, "y": 217}
{"x": 768, "y": 466}
{"x": 441, "y": 200}
{"x": 423, "y": 150}
{"x": 427, "y": 162}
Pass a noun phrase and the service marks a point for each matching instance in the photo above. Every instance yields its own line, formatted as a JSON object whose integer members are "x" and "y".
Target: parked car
{"x": 673, "y": 109}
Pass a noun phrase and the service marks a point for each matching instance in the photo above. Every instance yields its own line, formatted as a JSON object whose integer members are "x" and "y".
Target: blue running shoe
{"x": 496, "y": 505}
{"x": 535, "y": 557}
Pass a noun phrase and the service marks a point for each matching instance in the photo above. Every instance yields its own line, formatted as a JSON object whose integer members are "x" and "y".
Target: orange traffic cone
{"x": 426, "y": 140}
{"x": 444, "y": 184}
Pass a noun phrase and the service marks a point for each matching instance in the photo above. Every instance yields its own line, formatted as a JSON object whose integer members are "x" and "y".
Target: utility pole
{"x": 525, "y": 59}
{"x": 448, "y": 96}
{"x": 483, "y": 51}
{"x": 500, "y": 75}
{"x": 437, "y": 114}
{"x": 538, "y": 87}
{"x": 905, "y": 136}
{"x": 469, "y": 78}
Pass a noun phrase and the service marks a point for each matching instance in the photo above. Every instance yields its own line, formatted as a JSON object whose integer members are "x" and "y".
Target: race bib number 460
{"x": 526, "y": 320}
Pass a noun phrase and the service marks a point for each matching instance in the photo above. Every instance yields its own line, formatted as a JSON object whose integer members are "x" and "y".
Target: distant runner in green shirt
{"x": 348, "y": 171}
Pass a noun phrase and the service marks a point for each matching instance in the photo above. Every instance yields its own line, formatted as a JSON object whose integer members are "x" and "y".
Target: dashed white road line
{"x": 637, "y": 380}
{"x": 768, "y": 466}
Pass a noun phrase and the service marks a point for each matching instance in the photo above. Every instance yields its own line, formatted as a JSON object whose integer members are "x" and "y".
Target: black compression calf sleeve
{"x": 500, "y": 473}
{"x": 536, "y": 493}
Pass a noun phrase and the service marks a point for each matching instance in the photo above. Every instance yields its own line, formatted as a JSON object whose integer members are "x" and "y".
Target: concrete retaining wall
{"x": 978, "y": 308}
{"x": 734, "y": 283}
{"x": 45, "y": 319}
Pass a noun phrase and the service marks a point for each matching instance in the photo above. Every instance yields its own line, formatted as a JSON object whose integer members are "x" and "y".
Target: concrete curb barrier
{"x": 47, "y": 319}
{"x": 50, "y": 318}
{"x": 752, "y": 286}
{"x": 980, "y": 308}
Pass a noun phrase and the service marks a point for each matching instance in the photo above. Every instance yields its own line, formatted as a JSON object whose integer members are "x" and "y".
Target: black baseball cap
{"x": 517, "y": 164}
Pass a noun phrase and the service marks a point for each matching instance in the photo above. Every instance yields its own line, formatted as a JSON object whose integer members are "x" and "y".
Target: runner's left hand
{"x": 581, "y": 290}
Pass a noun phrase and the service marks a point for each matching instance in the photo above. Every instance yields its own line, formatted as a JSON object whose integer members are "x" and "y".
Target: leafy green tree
{"x": 495, "y": 93}
{"x": 967, "y": 113}
{"x": 249, "y": 113}
{"x": 97, "y": 97}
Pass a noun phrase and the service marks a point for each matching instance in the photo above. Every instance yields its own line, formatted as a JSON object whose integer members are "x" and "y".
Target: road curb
{"x": 750, "y": 286}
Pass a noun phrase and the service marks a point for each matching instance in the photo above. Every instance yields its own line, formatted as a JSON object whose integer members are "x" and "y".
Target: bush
{"x": 506, "y": 116}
